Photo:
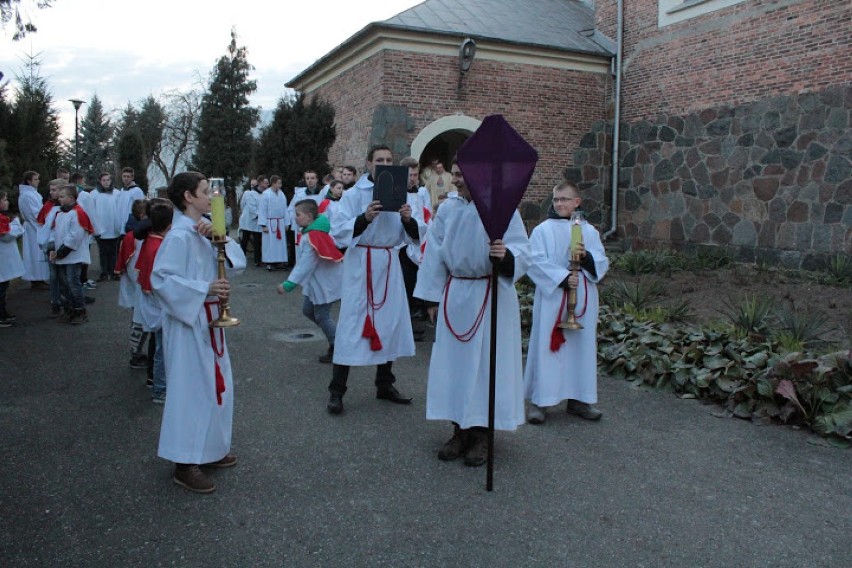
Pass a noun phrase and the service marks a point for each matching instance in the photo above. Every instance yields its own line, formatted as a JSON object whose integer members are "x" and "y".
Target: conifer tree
{"x": 95, "y": 142}
{"x": 129, "y": 147}
{"x": 298, "y": 138}
{"x": 226, "y": 120}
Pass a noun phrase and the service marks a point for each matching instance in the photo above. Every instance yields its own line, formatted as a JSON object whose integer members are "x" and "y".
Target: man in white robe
{"x": 455, "y": 278}
{"x": 36, "y": 270}
{"x": 374, "y": 326}
{"x": 562, "y": 363}
{"x": 249, "y": 228}
{"x": 273, "y": 218}
{"x": 197, "y": 418}
{"x": 311, "y": 190}
{"x": 129, "y": 193}
{"x": 104, "y": 205}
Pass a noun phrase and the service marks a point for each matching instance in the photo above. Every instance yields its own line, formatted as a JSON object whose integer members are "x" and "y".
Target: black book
{"x": 390, "y": 187}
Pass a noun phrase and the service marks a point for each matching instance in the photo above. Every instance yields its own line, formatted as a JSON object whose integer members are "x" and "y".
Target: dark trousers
{"x": 108, "y": 255}
{"x": 256, "y": 244}
{"x": 291, "y": 248}
{"x": 340, "y": 374}
{"x": 4, "y": 286}
{"x": 84, "y": 273}
{"x": 71, "y": 289}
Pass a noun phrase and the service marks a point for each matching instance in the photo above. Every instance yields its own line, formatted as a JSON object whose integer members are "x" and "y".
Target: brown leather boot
{"x": 190, "y": 476}
{"x": 477, "y": 453}
{"x": 455, "y": 446}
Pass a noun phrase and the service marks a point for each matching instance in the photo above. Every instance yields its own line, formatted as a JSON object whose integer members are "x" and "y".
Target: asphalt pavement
{"x": 658, "y": 482}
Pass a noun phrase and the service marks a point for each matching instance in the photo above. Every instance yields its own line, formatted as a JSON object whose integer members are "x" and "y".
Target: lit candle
{"x": 576, "y": 235}
{"x": 217, "y": 213}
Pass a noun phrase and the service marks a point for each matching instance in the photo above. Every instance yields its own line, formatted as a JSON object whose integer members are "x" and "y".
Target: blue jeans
{"x": 320, "y": 314}
{"x": 55, "y": 287}
{"x": 159, "y": 388}
{"x": 70, "y": 286}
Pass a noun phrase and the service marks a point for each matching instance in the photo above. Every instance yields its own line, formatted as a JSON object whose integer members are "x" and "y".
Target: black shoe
{"x": 390, "y": 393}
{"x": 6, "y": 316}
{"x": 328, "y": 357}
{"x": 103, "y": 277}
{"x": 139, "y": 361}
{"x": 335, "y": 404}
{"x": 89, "y": 300}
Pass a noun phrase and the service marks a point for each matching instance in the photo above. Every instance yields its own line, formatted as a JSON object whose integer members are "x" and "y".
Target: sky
{"x": 125, "y": 50}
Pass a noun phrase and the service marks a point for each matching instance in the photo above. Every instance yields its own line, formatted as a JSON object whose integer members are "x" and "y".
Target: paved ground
{"x": 658, "y": 482}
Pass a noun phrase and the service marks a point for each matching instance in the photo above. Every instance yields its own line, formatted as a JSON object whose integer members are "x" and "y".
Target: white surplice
{"x": 35, "y": 262}
{"x": 272, "y": 214}
{"x": 458, "y": 246}
{"x": 126, "y": 197}
{"x": 11, "y": 265}
{"x": 571, "y": 372}
{"x": 195, "y": 428}
{"x": 103, "y": 213}
{"x": 319, "y": 278}
{"x": 379, "y": 240}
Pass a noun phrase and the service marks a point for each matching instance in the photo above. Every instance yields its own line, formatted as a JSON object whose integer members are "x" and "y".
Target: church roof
{"x": 561, "y": 24}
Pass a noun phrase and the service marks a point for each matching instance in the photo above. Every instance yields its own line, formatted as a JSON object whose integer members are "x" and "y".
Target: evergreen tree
{"x": 7, "y": 172}
{"x": 298, "y": 138}
{"x": 10, "y": 11}
{"x": 129, "y": 147}
{"x": 95, "y": 142}
{"x": 152, "y": 120}
{"x": 226, "y": 120}
{"x": 34, "y": 131}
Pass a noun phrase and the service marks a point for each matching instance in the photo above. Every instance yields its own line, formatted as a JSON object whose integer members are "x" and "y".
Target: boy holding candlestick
{"x": 198, "y": 415}
{"x": 562, "y": 363}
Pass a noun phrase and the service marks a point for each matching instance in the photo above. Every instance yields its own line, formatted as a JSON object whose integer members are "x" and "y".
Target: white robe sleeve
{"x": 180, "y": 297}
{"x": 262, "y": 213}
{"x": 544, "y": 270}
{"x": 343, "y": 223}
{"x": 15, "y": 231}
{"x": 433, "y": 273}
{"x": 236, "y": 259}
{"x": 307, "y": 263}
{"x": 594, "y": 246}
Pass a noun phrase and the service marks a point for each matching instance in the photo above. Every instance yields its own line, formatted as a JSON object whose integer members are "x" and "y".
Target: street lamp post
{"x": 77, "y": 104}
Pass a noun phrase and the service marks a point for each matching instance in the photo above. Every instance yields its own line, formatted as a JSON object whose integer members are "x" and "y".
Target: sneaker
{"x": 191, "y": 477}
{"x": 5, "y": 323}
{"x": 149, "y": 383}
{"x": 159, "y": 398}
{"x": 536, "y": 414}
{"x": 79, "y": 316}
{"x": 89, "y": 299}
{"x": 65, "y": 316}
{"x": 90, "y": 285}
{"x": 103, "y": 278}
{"x": 583, "y": 410}
{"x": 139, "y": 361}
{"x": 228, "y": 461}
{"x": 455, "y": 447}
{"x": 477, "y": 453}
{"x": 8, "y": 317}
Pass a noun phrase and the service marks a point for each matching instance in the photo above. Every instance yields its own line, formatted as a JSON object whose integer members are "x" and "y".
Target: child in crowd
{"x": 332, "y": 199}
{"x": 198, "y": 416}
{"x": 562, "y": 364}
{"x": 11, "y": 265}
{"x": 72, "y": 228}
{"x": 45, "y": 235}
{"x": 319, "y": 271}
{"x": 159, "y": 213}
{"x": 84, "y": 200}
{"x": 128, "y": 291}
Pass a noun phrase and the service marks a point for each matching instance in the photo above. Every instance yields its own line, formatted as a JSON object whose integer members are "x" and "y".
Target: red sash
{"x": 48, "y": 206}
{"x": 125, "y": 251}
{"x": 324, "y": 245}
{"x": 370, "y": 332}
{"x": 324, "y": 205}
{"x": 218, "y": 349}
{"x": 84, "y": 220}
{"x": 5, "y": 224}
{"x": 145, "y": 261}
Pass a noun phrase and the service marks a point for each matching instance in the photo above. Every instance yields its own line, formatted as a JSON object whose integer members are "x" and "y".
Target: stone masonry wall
{"x": 771, "y": 179}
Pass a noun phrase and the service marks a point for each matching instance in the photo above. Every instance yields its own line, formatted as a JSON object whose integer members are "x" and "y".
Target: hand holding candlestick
{"x": 577, "y": 251}
{"x": 220, "y": 238}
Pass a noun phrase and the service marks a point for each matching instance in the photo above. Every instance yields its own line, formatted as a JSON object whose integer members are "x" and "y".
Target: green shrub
{"x": 751, "y": 316}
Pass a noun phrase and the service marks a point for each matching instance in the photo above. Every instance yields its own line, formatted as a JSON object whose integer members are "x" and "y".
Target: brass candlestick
{"x": 225, "y": 319}
{"x": 571, "y": 321}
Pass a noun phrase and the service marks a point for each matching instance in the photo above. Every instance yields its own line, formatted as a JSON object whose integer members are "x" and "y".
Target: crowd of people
{"x": 431, "y": 260}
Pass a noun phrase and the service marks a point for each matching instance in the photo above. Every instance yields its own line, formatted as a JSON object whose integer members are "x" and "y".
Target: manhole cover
{"x": 297, "y": 335}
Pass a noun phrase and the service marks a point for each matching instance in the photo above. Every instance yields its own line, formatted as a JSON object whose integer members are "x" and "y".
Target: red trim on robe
{"x": 125, "y": 252}
{"x": 324, "y": 205}
{"x": 5, "y": 224}
{"x": 324, "y": 245}
{"x": 48, "y": 206}
{"x": 84, "y": 220}
{"x": 427, "y": 215}
{"x": 145, "y": 261}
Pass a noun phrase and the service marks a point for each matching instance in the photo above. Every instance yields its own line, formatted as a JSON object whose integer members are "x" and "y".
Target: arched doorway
{"x": 442, "y": 138}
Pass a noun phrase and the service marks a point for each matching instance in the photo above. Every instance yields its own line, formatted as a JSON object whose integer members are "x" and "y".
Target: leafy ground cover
{"x": 766, "y": 344}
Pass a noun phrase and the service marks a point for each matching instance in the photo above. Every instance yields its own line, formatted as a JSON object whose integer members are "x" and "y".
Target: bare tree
{"x": 179, "y": 131}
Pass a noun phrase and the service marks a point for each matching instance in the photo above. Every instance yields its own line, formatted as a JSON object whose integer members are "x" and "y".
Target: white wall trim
{"x": 674, "y": 11}
{"x": 438, "y": 127}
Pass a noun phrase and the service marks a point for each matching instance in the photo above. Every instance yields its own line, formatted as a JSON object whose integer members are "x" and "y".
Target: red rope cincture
{"x": 557, "y": 335}
{"x": 277, "y": 226}
{"x": 470, "y": 333}
{"x": 218, "y": 349}
{"x": 369, "y": 331}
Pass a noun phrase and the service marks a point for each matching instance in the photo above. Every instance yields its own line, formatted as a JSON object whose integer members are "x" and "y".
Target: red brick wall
{"x": 749, "y": 51}
{"x": 551, "y": 108}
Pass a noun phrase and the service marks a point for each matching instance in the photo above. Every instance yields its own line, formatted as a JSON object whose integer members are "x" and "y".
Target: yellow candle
{"x": 217, "y": 215}
{"x": 576, "y": 236}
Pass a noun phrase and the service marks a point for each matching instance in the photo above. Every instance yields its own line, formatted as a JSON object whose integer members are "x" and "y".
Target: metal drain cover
{"x": 249, "y": 285}
{"x": 297, "y": 336}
